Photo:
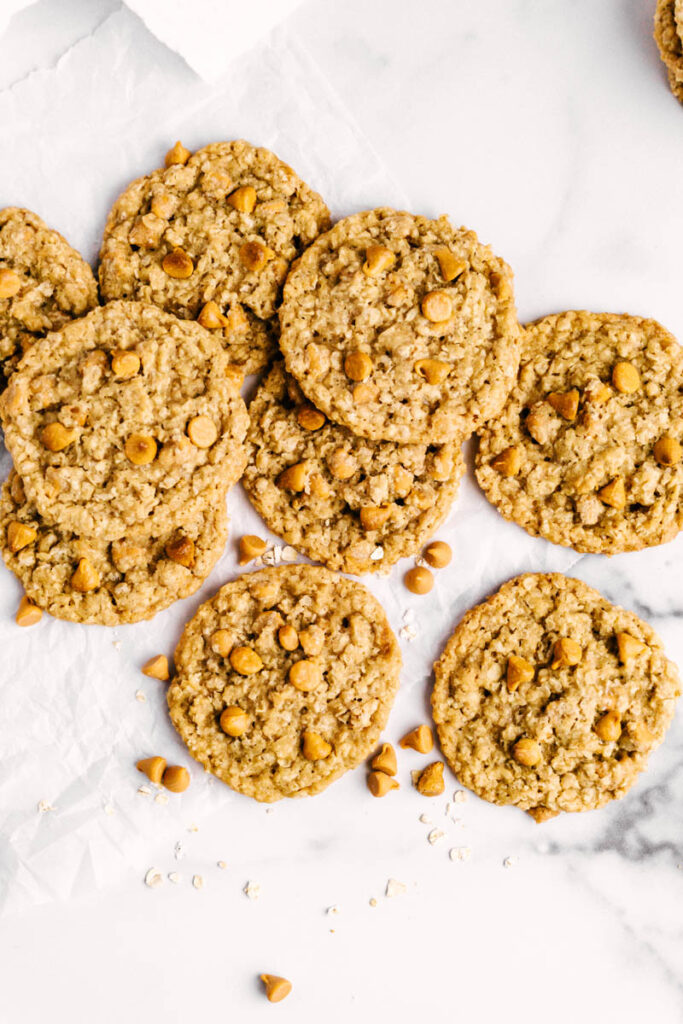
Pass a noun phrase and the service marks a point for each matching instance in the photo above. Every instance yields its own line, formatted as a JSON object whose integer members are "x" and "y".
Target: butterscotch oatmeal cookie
{"x": 551, "y": 698}
{"x": 125, "y": 418}
{"x": 401, "y": 328}
{"x": 669, "y": 39}
{"x": 587, "y": 451}
{"x": 108, "y": 583}
{"x": 44, "y": 283}
{"x": 212, "y": 238}
{"x": 353, "y": 504}
{"x": 284, "y": 680}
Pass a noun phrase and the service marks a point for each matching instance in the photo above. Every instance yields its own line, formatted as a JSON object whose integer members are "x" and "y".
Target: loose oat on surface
{"x": 420, "y": 346}
{"x": 99, "y": 453}
{"x": 355, "y": 495}
{"x": 481, "y": 723}
{"x": 44, "y": 283}
{"x": 589, "y": 472}
{"x": 338, "y": 684}
{"x": 239, "y": 215}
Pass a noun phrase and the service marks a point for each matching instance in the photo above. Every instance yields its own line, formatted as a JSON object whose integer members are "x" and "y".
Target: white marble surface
{"x": 546, "y": 126}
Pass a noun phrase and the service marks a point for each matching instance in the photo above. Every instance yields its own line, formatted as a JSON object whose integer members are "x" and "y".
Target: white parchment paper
{"x": 71, "y": 728}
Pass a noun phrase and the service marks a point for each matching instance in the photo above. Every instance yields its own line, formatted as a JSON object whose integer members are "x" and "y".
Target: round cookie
{"x": 44, "y": 283}
{"x": 333, "y": 705}
{"x": 551, "y": 698}
{"x": 222, "y": 228}
{"x": 586, "y": 452}
{"x": 401, "y": 328}
{"x": 360, "y": 505}
{"x": 125, "y": 418}
{"x": 669, "y": 39}
{"x": 107, "y": 583}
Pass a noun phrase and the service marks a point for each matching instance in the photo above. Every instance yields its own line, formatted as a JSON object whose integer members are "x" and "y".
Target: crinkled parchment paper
{"x": 71, "y": 727}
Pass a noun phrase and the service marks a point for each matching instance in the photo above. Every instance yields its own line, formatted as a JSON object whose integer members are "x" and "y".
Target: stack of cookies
{"x": 669, "y": 39}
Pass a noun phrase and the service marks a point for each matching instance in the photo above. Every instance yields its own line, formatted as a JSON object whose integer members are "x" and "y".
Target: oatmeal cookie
{"x": 353, "y": 504}
{"x": 401, "y": 328}
{"x": 212, "y": 238}
{"x": 44, "y": 283}
{"x": 125, "y": 418}
{"x": 587, "y": 451}
{"x": 284, "y": 680}
{"x": 669, "y": 39}
{"x": 108, "y": 583}
{"x": 551, "y": 698}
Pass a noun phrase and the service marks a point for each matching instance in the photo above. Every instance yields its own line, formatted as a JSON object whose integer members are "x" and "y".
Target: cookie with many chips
{"x": 284, "y": 680}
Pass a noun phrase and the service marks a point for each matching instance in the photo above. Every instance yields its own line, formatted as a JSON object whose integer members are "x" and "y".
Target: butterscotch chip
{"x": 438, "y": 554}
{"x": 86, "y": 577}
{"x": 358, "y": 365}
{"x": 250, "y": 547}
{"x": 131, "y": 467}
{"x": 449, "y": 264}
{"x": 378, "y": 259}
{"x": 420, "y": 739}
{"x": 566, "y": 653}
{"x": 181, "y": 549}
{"x": 202, "y": 431}
{"x": 310, "y": 418}
{"x": 157, "y": 668}
{"x": 385, "y": 760}
{"x": 432, "y": 370}
{"x": 519, "y": 671}
{"x": 546, "y": 752}
{"x": 629, "y": 647}
{"x": 221, "y": 642}
{"x": 591, "y": 481}
{"x": 413, "y": 486}
{"x": 153, "y": 768}
{"x": 480, "y": 345}
{"x": 28, "y": 613}
{"x": 312, "y": 640}
{"x": 125, "y": 364}
{"x": 379, "y": 783}
{"x": 137, "y": 578}
{"x": 541, "y": 814}
{"x": 419, "y": 580}
{"x": 177, "y": 154}
{"x": 430, "y": 781}
{"x": 255, "y": 255}
{"x": 288, "y": 637}
{"x": 293, "y": 478}
{"x": 668, "y": 451}
{"x": 305, "y": 675}
{"x": 245, "y": 660}
{"x": 315, "y": 747}
{"x": 178, "y": 264}
{"x": 243, "y": 199}
{"x": 176, "y": 778}
{"x": 608, "y": 727}
{"x": 44, "y": 284}
{"x": 276, "y": 988}
{"x": 357, "y": 673}
{"x": 234, "y": 721}
{"x": 211, "y": 317}
{"x": 19, "y": 535}
{"x": 56, "y": 437}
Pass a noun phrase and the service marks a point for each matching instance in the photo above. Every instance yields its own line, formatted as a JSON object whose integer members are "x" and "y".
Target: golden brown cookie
{"x": 551, "y": 698}
{"x": 211, "y": 236}
{"x": 355, "y": 505}
{"x": 401, "y": 328}
{"x": 44, "y": 283}
{"x": 669, "y": 39}
{"x": 284, "y": 680}
{"x": 108, "y": 583}
{"x": 587, "y": 450}
{"x": 125, "y": 418}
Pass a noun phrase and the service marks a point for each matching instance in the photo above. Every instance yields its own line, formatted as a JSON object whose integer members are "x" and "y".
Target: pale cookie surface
{"x": 360, "y": 505}
{"x": 545, "y": 744}
{"x": 44, "y": 283}
{"x": 567, "y": 432}
{"x": 124, "y": 418}
{"x": 343, "y": 639}
{"x": 669, "y": 39}
{"x": 227, "y": 195}
{"x": 401, "y": 328}
{"x": 132, "y": 579}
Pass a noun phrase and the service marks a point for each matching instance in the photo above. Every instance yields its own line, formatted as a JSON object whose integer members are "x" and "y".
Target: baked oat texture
{"x": 359, "y": 662}
{"x": 53, "y": 283}
{"x": 427, "y": 380}
{"x": 187, "y": 206}
{"x": 409, "y": 488}
{"x": 91, "y": 487}
{"x": 136, "y": 575}
{"x": 669, "y": 39}
{"x": 566, "y": 462}
{"x": 479, "y": 721}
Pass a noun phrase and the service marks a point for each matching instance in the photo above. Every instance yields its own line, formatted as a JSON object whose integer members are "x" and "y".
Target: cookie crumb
{"x": 334, "y": 909}
{"x": 116, "y": 644}
{"x": 395, "y": 888}
{"x": 221, "y": 864}
{"x": 153, "y": 878}
{"x": 460, "y": 853}
{"x": 435, "y": 835}
{"x": 197, "y": 882}
{"x": 252, "y": 890}
{"x": 161, "y": 798}
{"x": 289, "y": 554}
{"x": 144, "y": 791}
{"x": 373, "y": 902}
{"x": 378, "y": 554}
{"x": 141, "y": 696}
{"x": 459, "y": 796}
{"x": 108, "y": 809}
{"x": 193, "y": 828}
{"x": 179, "y": 851}
{"x": 426, "y": 820}
{"x": 44, "y": 806}
{"x": 174, "y": 877}
{"x": 509, "y": 862}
